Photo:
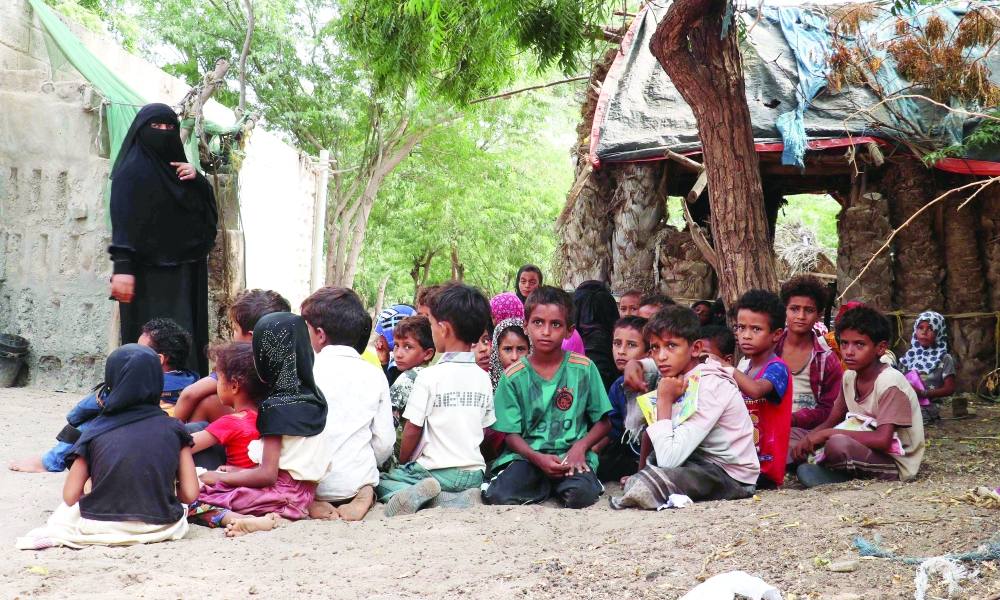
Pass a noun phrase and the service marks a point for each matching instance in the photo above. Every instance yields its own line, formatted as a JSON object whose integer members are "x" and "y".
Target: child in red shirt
{"x": 765, "y": 381}
{"x": 240, "y": 388}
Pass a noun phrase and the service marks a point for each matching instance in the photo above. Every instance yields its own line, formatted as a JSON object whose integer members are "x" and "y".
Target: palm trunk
{"x": 965, "y": 291}
{"x": 584, "y": 229}
{"x": 863, "y": 226}
{"x": 919, "y": 268}
{"x": 990, "y": 235}
{"x": 638, "y": 204}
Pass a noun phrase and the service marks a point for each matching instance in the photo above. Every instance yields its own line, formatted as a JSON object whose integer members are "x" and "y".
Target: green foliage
{"x": 817, "y": 212}
{"x": 986, "y": 136}
{"x": 490, "y": 189}
{"x": 462, "y": 50}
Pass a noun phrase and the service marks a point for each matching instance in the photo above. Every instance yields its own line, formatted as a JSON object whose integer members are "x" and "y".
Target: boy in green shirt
{"x": 553, "y": 407}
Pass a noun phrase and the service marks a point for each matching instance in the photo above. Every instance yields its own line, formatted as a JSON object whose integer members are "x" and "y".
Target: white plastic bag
{"x": 726, "y": 586}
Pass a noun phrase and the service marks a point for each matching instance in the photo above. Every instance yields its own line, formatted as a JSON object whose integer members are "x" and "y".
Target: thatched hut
{"x": 638, "y": 144}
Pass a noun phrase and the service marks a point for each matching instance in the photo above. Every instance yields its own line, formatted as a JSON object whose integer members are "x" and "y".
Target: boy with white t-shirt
{"x": 359, "y": 430}
{"x": 450, "y": 404}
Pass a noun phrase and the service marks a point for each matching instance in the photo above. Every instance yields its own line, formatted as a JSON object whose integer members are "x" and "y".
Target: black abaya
{"x": 162, "y": 230}
{"x": 179, "y": 293}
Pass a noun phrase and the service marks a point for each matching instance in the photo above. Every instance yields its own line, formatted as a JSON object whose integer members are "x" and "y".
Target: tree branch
{"x": 529, "y": 88}
{"x": 251, "y": 20}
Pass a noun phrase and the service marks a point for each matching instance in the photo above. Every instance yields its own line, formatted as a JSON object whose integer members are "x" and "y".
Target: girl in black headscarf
{"x": 596, "y": 314}
{"x": 137, "y": 459}
{"x": 163, "y": 225}
{"x": 291, "y": 420}
{"x": 528, "y": 278}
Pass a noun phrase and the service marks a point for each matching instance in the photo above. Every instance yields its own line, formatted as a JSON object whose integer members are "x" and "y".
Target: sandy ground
{"x": 785, "y": 537}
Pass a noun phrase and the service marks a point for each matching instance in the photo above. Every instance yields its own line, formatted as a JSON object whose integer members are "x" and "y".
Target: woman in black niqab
{"x": 595, "y": 315}
{"x": 163, "y": 225}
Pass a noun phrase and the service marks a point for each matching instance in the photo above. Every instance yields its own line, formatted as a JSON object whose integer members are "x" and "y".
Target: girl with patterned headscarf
{"x": 510, "y": 343}
{"x": 291, "y": 456}
{"x": 928, "y": 365}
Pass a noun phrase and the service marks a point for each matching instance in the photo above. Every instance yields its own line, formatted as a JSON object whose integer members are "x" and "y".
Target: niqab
{"x": 157, "y": 217}
{"x": 284, "y": 359}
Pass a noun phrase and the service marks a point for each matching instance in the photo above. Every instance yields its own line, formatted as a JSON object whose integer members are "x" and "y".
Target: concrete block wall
{"x": 53, "y": 238}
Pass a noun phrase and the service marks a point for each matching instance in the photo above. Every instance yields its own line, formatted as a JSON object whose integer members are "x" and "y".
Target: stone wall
{"x": 54, "y": 269}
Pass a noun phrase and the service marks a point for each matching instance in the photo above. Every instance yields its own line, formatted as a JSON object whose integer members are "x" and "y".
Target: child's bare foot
{"x": 33, "y": 464}
{"x": 323, "y": 511}
{"x": 356, "y": 509}
{"x": 253, "y": 525}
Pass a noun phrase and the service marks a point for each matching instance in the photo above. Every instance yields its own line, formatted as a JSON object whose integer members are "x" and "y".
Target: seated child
{"x": 619, "y": 451}
{"x": 137, "y": 459}
{"x": 509, "y": 344}
{"x": 199, "y": 402}
{"x": 172, "y": 344}
{"x": 815, "y": 367}
{"x": 240, "y": 389}
{"x": 628, "y": 304}
{"x": 553, "y": 407}
{"x": 291, "y": 456}
{"x": 450, "y": 404}
{"x": 413, "y": 350}
{"x": 652, "y": 304}
{"x": 890, "y": 444}
{"x": 384, "y": 339}
{"x": 764, "y": 380}
{"x": 930, "y": 367}
{"x": 424, "y": 298}
{"x": 483, "y": 348}
{"x": 703, "y": 437}
{"x": 703, "y": 308}
{"x": 359, "y": 429}
{"x": 505, "y": 306}
{"x": 718, "y": 341}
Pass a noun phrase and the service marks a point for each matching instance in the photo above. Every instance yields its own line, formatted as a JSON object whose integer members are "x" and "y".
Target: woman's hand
{"x": 185, "y": 171}
{"x": 123, "y": 287}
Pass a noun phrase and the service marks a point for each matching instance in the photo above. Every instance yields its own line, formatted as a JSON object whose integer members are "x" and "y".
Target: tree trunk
{"x": 990, "y": 235}
{"x": 918, "y": 269}
{"x": 705, "y": 66}
{"x": 585, "y": 234}
{"x": 863, "y": 226}
{"x": 457, "y": 268}
{"x": 638, "y": 204}
{"x": 380, "y": 298}
{"x": 349, "y": 221}
{"x": 421, "y": 268}
{"x": 971, "y": 339}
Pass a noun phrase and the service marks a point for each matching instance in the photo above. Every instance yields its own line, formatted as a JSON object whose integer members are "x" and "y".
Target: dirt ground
{"x": 786, "y": 537}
